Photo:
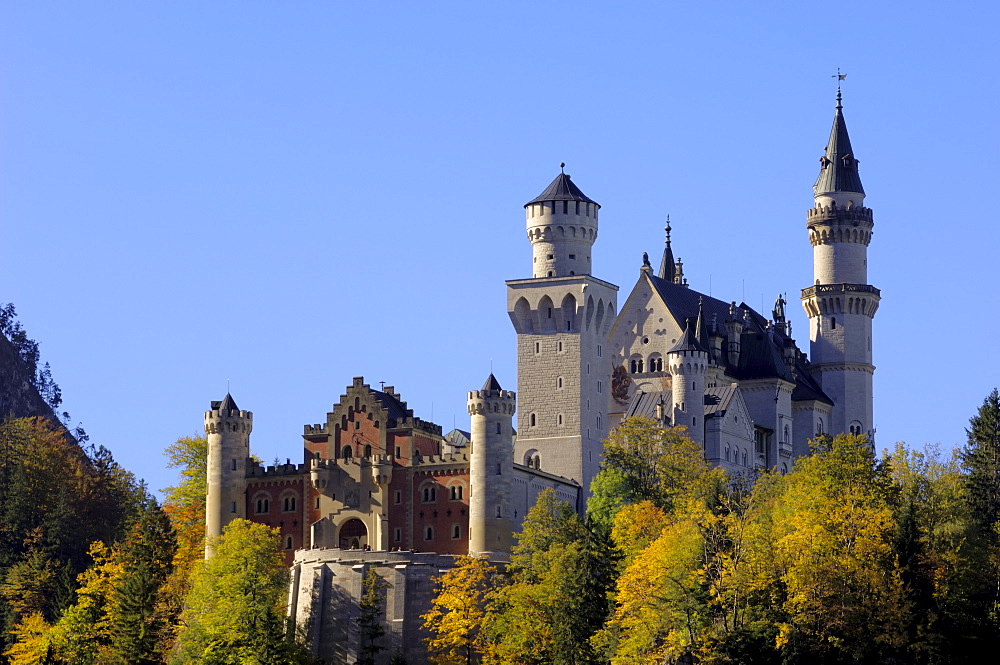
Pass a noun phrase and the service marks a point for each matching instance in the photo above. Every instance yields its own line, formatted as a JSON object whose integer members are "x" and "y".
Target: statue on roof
{"x": 779, "y": 310}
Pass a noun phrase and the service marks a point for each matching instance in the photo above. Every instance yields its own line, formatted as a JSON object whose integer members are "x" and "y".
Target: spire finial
{"x": 840, "y": 77}
{"x": 562, "y": 167}
{"x": 667, "y": 229}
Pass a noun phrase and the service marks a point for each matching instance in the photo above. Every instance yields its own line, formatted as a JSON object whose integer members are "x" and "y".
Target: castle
{"x": 378, "y": 486}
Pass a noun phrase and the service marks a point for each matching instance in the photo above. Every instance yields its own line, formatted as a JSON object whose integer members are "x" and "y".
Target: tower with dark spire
{"x": 227, "y": 430}
{"x": 491, "y": 468}
{"x": 562, "y": 315}
{"x": 841, "y": 303}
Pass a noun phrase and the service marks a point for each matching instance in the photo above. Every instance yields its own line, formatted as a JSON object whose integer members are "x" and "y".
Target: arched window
{"x": 263, "y": 506}
{"x": 819, "y": 427}
{"x": 347, "y": 452}
{"x": 787, "y": 438}
{"x": 456, "y": 492}
{"x": 288, "y": 543}
{"x": 429, "y": 533}
{"x": 559, "y": 382}
{"x": 456, "y": 532}
{"x": 531, "y": 420}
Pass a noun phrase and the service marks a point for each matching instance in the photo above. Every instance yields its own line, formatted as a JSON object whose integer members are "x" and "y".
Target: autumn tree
{"x": 460, "y": 611}
{"x": 645, "y": 461}
{"x": 235, "y": 611}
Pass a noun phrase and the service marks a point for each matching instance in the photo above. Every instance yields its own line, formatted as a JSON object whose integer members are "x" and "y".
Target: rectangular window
{"x": 398, "y": 498}
{"x": 397, "y": 535}
{"x": 233, "y": 509}
{"x": 537, "y": 347}
{"x": 598, "y": 350}
{"x": 317, "y": 503}
{"x": 559, "y": 347}
{"x": 399, "y": 451}
{"x": 234, "y": 465}
{"x": 572, "y": 256}
{"x": 599, "y": 386}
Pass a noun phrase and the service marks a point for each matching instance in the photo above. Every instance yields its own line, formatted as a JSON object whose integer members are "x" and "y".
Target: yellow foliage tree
{"x": 459, "y": 613}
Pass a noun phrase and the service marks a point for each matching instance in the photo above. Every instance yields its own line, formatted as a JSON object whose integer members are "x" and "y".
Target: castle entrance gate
{"x": 353, "y": 535}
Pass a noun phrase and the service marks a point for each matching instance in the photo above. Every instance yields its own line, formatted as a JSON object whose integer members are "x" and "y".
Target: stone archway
{"x": 353, "y": 535}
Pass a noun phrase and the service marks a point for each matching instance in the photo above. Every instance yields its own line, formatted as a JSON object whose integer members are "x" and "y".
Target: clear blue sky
{"x": 288, "y": 195}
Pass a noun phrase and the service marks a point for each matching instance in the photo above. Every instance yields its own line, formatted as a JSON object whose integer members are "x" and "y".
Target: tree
{"x": 644, "y": 461}
{"x": 460, "y": 611}
{"x": 557, "y": 597}
{"x": 982, "y": 462}
{"x": 236, "y": 607}
{"x": 370, "y": 625}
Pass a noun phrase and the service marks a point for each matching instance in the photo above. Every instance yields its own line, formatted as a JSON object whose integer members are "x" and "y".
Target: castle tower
{"x": 228, "y": 432}
{"x": 688, "y": 362}
{"x": 491, "y": 469}
{"x": 841, "y": 303}
{"x": 562, "y": 316}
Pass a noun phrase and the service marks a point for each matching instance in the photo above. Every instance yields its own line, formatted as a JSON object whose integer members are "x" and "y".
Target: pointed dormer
{"x": 667, "y": 267}
{"x": 838, "y": 173}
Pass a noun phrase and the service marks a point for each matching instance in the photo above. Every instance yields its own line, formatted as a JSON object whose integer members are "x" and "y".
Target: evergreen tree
{"x": 982, "y": 462}
{"x": 370, "y": 625}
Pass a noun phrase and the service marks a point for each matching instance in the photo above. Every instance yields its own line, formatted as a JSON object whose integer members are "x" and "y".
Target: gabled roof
{"x": 839, "y": 167}
{"x": 561, "y": 189}
{"x": 644, "y": 404}
{"x": 718, "y": 399}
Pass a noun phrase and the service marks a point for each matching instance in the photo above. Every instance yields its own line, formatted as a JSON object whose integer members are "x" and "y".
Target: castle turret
{"x": 228, "y": 432}
{"x": 688, "y": 364}
{"x": 491, "y": 469}
{"x": 562, "y": 315}
{"x": 562, "y": 227}
{"x": 841, "y": 304}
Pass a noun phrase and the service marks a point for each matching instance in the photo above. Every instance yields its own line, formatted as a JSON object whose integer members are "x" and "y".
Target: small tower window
{"x": 498, "y": 512}
{"x": 456, "y": 532}
{"x": 833, "y": 323}
{"x": 288, "y": 543}
{"x": 565, "y": 207}
{"x": 234, "y": 465}
{"x": 429, "y": 533}
{"x": 233, "y": 509}
{"x": 572, "y": 256}
{"x": 559, "y": 419}
{"x": 559, "y": 382}
{"x": 531, "y": 420}
{"x": 499, "y": 431}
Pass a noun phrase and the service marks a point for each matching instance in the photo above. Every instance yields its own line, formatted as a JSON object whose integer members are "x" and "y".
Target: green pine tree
{"x": 370, "y": 617}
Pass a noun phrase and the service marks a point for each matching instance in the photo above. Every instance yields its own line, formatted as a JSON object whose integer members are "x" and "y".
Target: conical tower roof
{"x": 561, "y": 189}
{"x": 839, "y": 167}
{"x": 228, "y": 404}
{"x": 688, "y": 341}
{"x": 492, "y": 384}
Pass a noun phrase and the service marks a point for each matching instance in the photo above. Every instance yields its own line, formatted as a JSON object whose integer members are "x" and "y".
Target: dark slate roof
{"x": 688, "y": 342}
{"x": 492, "y": 384}
{"x": 396, "y": 409}
{"x": 228, "y": 404}
{"x": 839, "y": 170}
{"x": 561, "y": 189}
{"x": 761, "y": 354}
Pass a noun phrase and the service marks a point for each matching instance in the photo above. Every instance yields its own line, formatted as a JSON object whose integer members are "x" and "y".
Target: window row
{"x": 262, "y": 504}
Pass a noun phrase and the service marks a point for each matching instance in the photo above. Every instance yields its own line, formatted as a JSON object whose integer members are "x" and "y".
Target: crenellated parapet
{"x": 832, "y": 223}
{"x": 832, "y": 299}
{"x": 481, "y": 402}
{"x": 257, "y": 470}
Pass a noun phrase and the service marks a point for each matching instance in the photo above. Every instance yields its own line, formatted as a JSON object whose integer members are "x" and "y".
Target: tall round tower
{"x": 228, "y": 432}
{"x": 841, "y": 303}
{"x": 562, "y": 227}
{"x": 491, "y": 469}
{"x": 688, "y": 362}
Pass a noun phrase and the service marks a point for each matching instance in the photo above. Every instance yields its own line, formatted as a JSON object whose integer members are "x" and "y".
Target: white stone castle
{"x": 379, "y": 487}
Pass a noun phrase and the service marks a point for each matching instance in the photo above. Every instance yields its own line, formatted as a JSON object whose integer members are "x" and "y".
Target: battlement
{"x": 219, "y": 414}
{"x": 503, "y": 401}
{"x": 256, "y": 470}
{"x": 833, "y": 213}
{"x": 337, "y": 462}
